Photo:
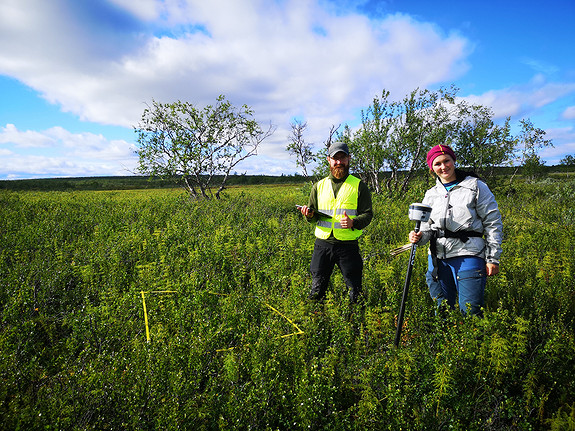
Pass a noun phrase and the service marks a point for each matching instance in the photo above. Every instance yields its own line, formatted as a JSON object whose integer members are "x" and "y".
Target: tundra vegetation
{"x": 234, "y": 344}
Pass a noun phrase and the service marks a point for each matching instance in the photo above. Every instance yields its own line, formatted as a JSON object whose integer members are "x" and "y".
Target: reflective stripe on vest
{"x": 346, "y": 201}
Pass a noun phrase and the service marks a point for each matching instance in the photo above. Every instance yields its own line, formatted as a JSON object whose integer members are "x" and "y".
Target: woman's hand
{"x": 492, "y": 268}
{"x": 414, "y": 237}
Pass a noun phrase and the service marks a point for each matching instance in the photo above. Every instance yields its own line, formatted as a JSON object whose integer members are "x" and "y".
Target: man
{"x": 340, "y": 206}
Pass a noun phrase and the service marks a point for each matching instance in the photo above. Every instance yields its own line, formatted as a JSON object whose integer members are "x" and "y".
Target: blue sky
{"x": 75, "y": 75}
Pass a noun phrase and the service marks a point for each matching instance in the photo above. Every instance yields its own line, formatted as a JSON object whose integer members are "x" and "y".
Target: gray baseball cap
{"x": 336, "y": 147}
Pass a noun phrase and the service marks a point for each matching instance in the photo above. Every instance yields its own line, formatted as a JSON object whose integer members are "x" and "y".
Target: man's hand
{"x": 306, "y": 211}
{"x": 346, "y": 222}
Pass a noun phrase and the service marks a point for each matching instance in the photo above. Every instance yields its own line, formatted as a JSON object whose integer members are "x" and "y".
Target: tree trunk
{"x": 190, "y": 188}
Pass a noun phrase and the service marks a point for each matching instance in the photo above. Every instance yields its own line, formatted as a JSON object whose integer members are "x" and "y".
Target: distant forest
{"x": 141, "y": 182}
{"x": 133, "y": 182}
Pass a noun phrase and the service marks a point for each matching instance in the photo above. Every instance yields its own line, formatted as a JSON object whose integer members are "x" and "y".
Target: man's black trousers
{"x": 346, "y": 256}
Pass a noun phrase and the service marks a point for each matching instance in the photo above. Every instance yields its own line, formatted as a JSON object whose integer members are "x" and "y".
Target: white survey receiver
{"x": 419, "y": 212}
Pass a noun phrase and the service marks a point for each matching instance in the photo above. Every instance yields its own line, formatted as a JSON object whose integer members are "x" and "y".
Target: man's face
{"x": 339, "y": 164}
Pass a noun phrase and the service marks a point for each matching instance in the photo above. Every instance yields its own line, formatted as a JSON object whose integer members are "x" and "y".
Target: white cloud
{"x": 24, "y": 154}
{"x": 28, "y": 139}
{"x": 540, "y": 66}
{"x": 569, "y": 113}
{"x": 522, "y": 99}
{"x": 563, "y": 143}
{"x": 269, "y": 55}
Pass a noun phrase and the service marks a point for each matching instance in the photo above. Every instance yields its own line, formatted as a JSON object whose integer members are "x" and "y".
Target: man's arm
{"x": 312, "y": 204}
{"x": 364, "y": 207}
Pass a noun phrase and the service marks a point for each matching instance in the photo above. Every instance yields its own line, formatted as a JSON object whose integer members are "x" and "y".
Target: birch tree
{"x": 200, "y": 147}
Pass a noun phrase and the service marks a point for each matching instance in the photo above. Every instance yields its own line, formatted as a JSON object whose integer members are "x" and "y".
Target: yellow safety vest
{"x": 327, "y": 203}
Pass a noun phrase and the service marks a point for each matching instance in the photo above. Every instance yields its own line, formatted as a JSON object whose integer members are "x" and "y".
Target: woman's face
{"x": 444, "y": 168}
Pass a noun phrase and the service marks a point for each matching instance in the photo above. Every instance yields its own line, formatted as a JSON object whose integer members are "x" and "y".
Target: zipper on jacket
{"x": 444, "y": 227}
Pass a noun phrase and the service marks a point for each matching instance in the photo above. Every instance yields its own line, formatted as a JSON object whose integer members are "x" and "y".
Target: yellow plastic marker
{"x": 286, "y": 318}
{"x": 299, "y": 331}
{"x": 143, "y": 293}
{"x": 145, "y": 316}
{"x": 146, "y": 311}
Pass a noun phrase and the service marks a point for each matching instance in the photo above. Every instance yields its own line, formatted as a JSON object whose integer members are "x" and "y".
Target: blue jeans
{"x": 464, "y": 277}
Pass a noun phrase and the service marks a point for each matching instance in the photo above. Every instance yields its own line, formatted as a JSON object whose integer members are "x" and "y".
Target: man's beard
{"x": 339, "y": 171}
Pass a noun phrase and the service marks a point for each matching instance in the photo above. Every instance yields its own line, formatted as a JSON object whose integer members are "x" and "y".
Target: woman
{"x": 464, "y": 232}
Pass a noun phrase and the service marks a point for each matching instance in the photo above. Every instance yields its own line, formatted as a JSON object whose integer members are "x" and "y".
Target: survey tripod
{"x": 419, "y": 213}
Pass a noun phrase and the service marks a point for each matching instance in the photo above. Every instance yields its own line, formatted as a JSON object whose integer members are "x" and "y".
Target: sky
{"x": 76, "y": 75}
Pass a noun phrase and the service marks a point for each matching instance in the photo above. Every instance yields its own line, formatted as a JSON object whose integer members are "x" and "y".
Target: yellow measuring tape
{"x": 299, "y": 331}
{"x": 146, "y": 310}
{"x": 143, "y": 293}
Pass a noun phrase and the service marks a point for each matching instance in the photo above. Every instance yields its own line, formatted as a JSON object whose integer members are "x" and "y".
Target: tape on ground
{"x": 148, "y": 338}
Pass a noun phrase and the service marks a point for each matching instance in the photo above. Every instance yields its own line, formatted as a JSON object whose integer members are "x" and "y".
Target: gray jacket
{"x": 468, "y": 206}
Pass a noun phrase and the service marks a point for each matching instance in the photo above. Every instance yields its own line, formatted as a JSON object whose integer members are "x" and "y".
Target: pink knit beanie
{"x": 439, "y": 150}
